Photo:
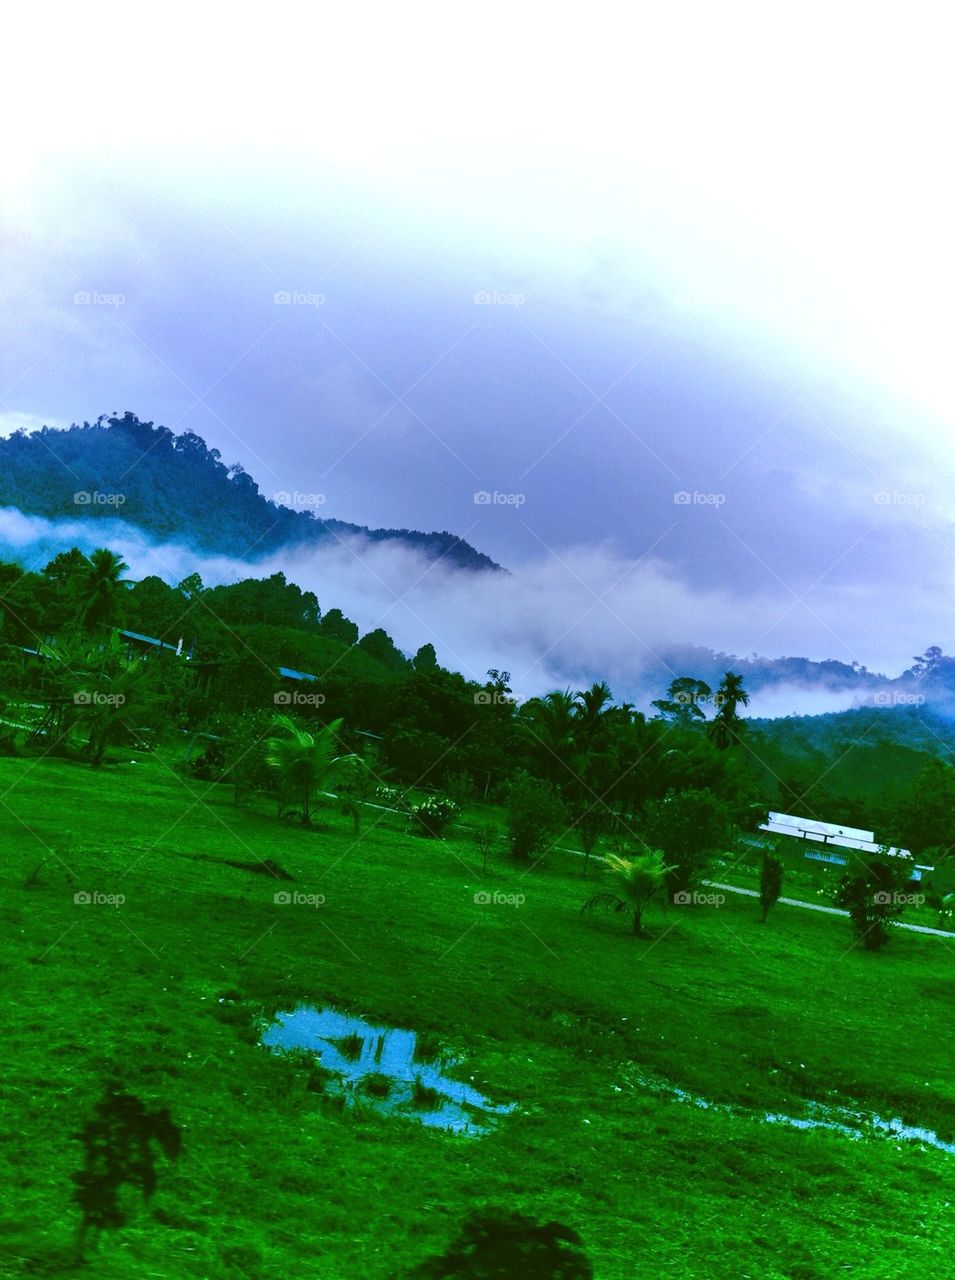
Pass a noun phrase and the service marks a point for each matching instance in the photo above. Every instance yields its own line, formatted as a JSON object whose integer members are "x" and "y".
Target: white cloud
{"x": 592, "y": 614}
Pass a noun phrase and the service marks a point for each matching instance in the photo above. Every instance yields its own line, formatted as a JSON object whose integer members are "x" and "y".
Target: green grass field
{"x": 560, "y": 1013}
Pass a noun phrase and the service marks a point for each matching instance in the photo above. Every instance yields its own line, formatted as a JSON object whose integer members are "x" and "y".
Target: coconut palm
{"x": 633, "y": 882}
{"x": 591, "y": 707}
{"x": 546, "y": 726}
{"x": 99, "y": 588}
{"x": 302, "y": 761}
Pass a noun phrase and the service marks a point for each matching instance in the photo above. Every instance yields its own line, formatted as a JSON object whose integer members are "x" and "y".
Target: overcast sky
{"x": 677, "y": 292}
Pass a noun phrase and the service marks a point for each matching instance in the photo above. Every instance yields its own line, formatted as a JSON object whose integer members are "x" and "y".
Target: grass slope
{"x": 552, "y": 1010}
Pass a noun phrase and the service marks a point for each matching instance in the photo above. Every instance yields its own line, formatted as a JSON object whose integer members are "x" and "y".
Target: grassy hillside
{"x": 562, "y": 1014}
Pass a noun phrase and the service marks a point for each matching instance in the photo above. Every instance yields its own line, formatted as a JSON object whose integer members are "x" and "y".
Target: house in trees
{"x": 830, "y": 842}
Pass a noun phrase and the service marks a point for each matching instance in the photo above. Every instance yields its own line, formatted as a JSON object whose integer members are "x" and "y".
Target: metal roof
{"x": 134, "y": 635}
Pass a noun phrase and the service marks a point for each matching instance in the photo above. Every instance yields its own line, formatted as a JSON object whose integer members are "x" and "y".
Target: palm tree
{"x": 591, "y": 706}
{"x": 634, "y": 882}
{"x": 726, "y": 726}
{"x": 302, "y": 761}
{"x": 547, "y": 727}
{"x": 99, "y": 589}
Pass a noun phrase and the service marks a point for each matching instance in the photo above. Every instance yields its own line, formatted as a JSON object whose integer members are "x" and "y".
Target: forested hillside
{"x": 175, "y": 488}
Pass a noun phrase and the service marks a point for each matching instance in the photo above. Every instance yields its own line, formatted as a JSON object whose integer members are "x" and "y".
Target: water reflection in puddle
{"x": 852, "y": 1124}
{"x": 379, "y": 1064}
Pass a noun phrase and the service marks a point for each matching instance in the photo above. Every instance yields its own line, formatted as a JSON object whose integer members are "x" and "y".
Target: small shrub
{"x": 460, "y": 788}
{"x": 690, "y": 827}
{"x": 872, "y": 892}
{"x": 392, "y": 798}
{"x": 535, "y": 816}
{"x": 433, "y": 816}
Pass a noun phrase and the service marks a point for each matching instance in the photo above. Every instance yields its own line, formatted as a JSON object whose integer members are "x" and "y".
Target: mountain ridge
{"x": 170, "y": 485}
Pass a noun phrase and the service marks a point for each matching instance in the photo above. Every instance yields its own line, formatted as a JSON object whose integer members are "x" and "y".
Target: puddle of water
{"x": 852, "y": 1124}
{"x": 365, "y": 1057}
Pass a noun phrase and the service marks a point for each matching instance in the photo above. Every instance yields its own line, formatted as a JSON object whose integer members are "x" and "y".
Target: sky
{"x": 673, "y": 288}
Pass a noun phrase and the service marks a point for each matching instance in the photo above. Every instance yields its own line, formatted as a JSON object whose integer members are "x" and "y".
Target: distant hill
{"x": 761, "y": 673}
{"x": 853, "y": 766}
{"x": 175, "y": 488}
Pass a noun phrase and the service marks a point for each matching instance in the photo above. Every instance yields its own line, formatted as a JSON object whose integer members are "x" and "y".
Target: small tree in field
{"x": 302, "y": 761}
{"x": 485, "y": 838}
{"x": 353, "y": 782}
{"x": 535, "y": 815}
{"x": 689, "y": 826}
{"x": 633, "y": 882}
{"x": 872, "y": 892}
{"x": 770, "y": 883}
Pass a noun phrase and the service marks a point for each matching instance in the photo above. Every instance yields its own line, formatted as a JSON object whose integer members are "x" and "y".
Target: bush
{"x": 535, "y": 815}
{"x": 392, "y": 798}
{"x": 433, "y": 816}
{"x": 689, "y": 827}
{"x": 460, "y": 787}
{"x": 872, "y": 891}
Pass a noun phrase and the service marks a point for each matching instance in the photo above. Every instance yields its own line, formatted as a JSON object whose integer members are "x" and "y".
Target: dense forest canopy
{"x": 176, "y": 488}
